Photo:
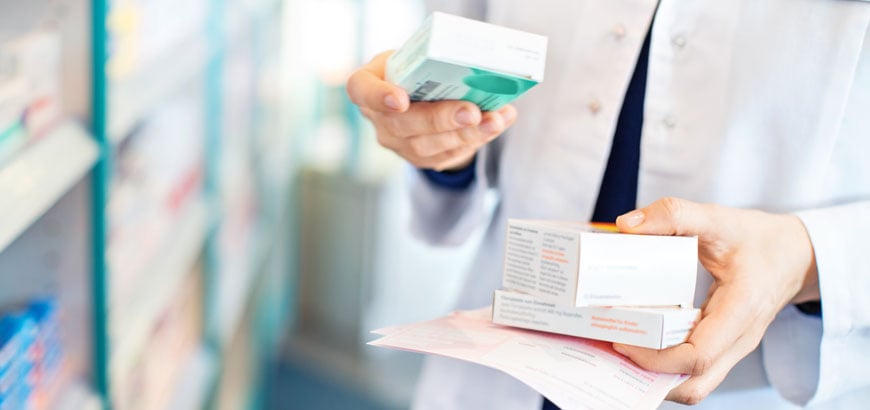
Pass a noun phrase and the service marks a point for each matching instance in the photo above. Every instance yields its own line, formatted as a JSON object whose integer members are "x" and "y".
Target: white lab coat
{"x": 756, "y": 104}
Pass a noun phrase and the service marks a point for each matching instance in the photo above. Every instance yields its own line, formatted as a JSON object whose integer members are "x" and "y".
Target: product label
{"x": 432, "y": 80}
{"x": 541, "y": 261}
{"x": 453, "y": 58}
{"x": 636, "y": 270}
{"x": 647, "y": 328}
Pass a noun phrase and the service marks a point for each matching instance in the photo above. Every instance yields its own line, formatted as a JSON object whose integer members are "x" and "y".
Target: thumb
{"x": 667, "y": 216}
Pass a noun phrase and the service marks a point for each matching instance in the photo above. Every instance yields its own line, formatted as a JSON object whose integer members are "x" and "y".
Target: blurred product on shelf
{"x": 152, "y": 187}
{"x": 148, "y": 383}
{"x": 238, "y": 183}
{"x": 158, "y": 50}
{"x": 237, "y": 234}
{"x": 30, "y": 88}
{"x": 31, "y": 355}
{"x": 47, "y": 352}
{"x": 141, "y": 32}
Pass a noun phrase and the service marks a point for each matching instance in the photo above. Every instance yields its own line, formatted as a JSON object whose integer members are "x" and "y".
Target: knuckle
{"x": 385, "y": 140}
{"x": 701, "y": 363}
{"x": 673, "y": 206}
{"x": 411, "y": 158}
{"x": 455, "y": 153}
{"x": 472, "y": 137}
{"x": 434, "y": 119}
{"x": 454, "y": 140}
{"x": 418, "y": 147}
{"x": 694, "y": 396}
{"x": 368, "y": 113}
{"x": 466, "y": 135}
{"x": 392, "y": 123}
{"x": 382, "y": 140}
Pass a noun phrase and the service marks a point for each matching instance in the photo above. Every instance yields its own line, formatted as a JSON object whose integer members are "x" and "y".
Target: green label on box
{"x": 433, "y": 80}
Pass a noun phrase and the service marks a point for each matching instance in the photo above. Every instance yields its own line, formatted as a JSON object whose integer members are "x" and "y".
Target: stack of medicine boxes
{"x": 575, "y": 279}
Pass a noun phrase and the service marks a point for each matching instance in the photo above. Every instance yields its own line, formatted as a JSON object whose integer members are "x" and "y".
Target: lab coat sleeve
{"x": 811, "y": 360}
{"x": 442, "y": 216}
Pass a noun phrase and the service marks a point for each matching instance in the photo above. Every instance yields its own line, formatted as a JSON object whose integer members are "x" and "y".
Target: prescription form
{"x": 573, "y": 373}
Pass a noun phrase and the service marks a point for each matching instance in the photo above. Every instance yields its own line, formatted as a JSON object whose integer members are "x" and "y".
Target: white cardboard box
{"x": 574, "y": 264}
{"x": 456, "y": 58}
{"x": 655, "y": 328}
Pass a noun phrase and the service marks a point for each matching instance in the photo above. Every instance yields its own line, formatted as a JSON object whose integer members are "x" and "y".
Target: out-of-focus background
{"x": 192, "y": 213}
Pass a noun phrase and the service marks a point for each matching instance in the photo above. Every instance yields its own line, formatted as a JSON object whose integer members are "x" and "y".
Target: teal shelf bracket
{"x": 100, "y": 192}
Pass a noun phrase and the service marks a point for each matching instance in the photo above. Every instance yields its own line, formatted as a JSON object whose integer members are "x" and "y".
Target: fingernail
{"x": 392, "y": 102}
{"x": 489, "y": 127}
{"x": 633, "y": 218}
{"x": 465, "y": 117}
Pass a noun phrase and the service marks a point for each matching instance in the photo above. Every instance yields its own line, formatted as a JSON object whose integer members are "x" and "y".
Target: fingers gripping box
{"x": 455, "y": 58}
{"x": 655, "y": 328}
{"x": 574, "y": 264}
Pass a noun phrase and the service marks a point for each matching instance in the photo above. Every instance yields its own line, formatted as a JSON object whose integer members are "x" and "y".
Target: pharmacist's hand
{"x": 759, "y": 261}
{"x": 442, "y": 135}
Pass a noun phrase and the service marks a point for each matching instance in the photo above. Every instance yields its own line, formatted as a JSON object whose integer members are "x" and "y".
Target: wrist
{"x": 457, "y": 180}
{"x": 461, "y": 165}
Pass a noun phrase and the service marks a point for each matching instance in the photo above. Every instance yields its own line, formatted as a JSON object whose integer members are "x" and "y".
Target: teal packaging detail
{"x": 454, "y": 58}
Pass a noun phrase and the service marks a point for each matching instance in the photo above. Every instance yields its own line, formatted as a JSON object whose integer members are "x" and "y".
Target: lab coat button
{"x": 618, "y": 31}
{"x": 679, "y": 41}
{"x": 669, "y": 122}
{"x": 594, "y": 106}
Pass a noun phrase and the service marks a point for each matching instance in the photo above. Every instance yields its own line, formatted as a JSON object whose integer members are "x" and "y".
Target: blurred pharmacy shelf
{"x": 138, "y": 140}
{"x": 129, "y": 330}
{"x": 30, "y": 187}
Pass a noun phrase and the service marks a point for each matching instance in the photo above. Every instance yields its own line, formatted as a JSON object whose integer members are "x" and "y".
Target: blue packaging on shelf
{"x": 18, "y": 398}
{"x": 47, "y": 351}
{"x": 42, "y": 310}
{"x": 19, "y": 373}
{"x": 17, "y": 334}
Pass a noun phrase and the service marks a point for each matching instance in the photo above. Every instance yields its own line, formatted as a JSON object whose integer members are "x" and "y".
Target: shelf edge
{"x": 38, "y": 176}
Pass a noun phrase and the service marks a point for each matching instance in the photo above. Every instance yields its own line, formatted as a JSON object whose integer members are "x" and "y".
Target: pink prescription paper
{"x": 574, "y": 373}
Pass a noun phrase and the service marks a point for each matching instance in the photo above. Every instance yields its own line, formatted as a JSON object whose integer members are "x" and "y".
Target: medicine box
{"x": 455, "y": 58}
{"x": 655, "y": 328}
{"x": 575, "y": 264}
